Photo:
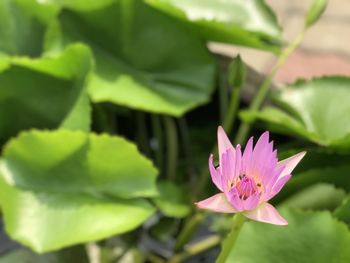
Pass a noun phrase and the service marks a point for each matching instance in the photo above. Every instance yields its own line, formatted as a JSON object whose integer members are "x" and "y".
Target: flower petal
{"x": 215, "y": 174}
{"x": 266, "y": 213}
{"x": 223, "y": 143}
{"x": 247, "y": 157}
{"x": 238, "y": 161}
{"x": 290, "y": 163}
{"x": 217, "y": 203}
{"x": 227, "y": 166}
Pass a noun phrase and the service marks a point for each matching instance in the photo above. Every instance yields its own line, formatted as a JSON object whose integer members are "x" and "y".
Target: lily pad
{"x": 22, "y": 26}
{"x": 72, "y": 161}
{"x": 315, "y": 110}
{"x": 47, "y": 92}
{"x": 145, "y": 59}
{"x": 172, "y": 200}
{"x": 309, "y": 237}
{"x": 47, "y": 221}
{"x": 249, "y": 23}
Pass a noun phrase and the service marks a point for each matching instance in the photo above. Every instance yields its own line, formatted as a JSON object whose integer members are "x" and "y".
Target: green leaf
{"x": 172, "y": 200}
{"x": 72, "y": 161}
{"x": 309, "y": 237}
{"x": 145, "y": 59}
{"x": 320, "y": 166}
{"x": 22, "y": 26}
{"x": 70, "y": 255}
{"x": 343, "y": 211}
{"x": 46, "y": 221}
{"x": 319, "y": 196}
{"x": 315, "y": 12}
{"x": 45, "y": 93}
{"x": 337, "y": 175}
{"x": 313, "y": 110}
{"x": 247, "y": 23}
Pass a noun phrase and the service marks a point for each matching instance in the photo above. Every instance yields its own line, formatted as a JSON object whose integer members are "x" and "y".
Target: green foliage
{"x": 80, "y": 162}
{"x": 46, "y": 221}
{"x": 248, "y": 23}
{"x": 315, "y": 12}
{"x": 313, "y": 110}
{"x": 71, "y": 181}
{"x": 70, "y": 255}
{"x": 309, "y": 237}
{"x": 22, "y": 26}
{"x": 144, "y": 59}
{"x": 47, "y": 92}
{"x": 237, "y": 72}
{"x": 172, "y": 200}
{"x": 343, "y": 211}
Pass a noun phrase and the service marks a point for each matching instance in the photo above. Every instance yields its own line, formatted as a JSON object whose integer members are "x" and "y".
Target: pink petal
{"x": 290, "y": 163}
{"x": 228, "y": 166}
{"x": 261, "y": 145}
{"x": 266, "y": 213}
{"x": 215, "y": 174}
{"x": 277, "y": 187}
{"x": 247, "y": 157}
{"x": 217, "y": 203}
{"x": 238, "y": 161}
{"x": 252, "y": 202}
{"x": 223, "y": 143}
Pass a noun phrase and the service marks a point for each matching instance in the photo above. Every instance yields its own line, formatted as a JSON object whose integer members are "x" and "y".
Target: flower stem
{"x": 223, "y": 101}
{"x": 158, "y": 133}
{"x": 196, "y": 248}
{"x": 230, "y": 241}
{"x": 172, "y": 147}
{"x": 142, "y": 136}
{"x": 259, "y": 98}
{"x": 186, "y": 233}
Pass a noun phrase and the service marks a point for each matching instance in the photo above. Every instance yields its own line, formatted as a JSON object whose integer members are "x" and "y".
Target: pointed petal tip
{"x": 216, "y": 203}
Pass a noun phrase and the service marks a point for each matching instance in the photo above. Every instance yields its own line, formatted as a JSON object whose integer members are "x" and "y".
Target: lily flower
{"x": 248, "y": 181}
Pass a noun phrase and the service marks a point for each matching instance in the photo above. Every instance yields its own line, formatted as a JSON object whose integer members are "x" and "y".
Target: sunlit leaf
{"x": 72, "y": 161}
{"x": 47, "y": 92}
{"x": 248, "y": 23}
{"x": 309, "y": 237}
{"x": 46, "y": 221}
{"x": 319, "y": 196}
{"x": 315, "y": 12}
{"x": 144, "y": 59}
{"x": 343, "y": 211}
{"x": 22, "y": 26}
{"x": 315, "y": 110}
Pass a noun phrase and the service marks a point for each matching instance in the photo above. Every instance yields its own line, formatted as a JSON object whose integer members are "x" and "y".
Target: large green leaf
{"x": 45, "y": 93}
{"x": 320, "y": 165}
{"x": 343, "y": 211}
{"x": 69, "y": 255}
{"x": 309, "y": 237}
{"x": 22, "y": 26}
{"x": 72, "y": 161}
{"x": 316, "y": 110}
{"x": 47, "y": 221}
{"x": 172, "y": 200}
{"x": 144, "y": 59}
{"x": 249, "y": 23}
{"x": 319, "y": 196}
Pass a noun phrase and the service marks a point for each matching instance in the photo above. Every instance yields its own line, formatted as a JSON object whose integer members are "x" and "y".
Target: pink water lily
{"x": 248, "y": 181}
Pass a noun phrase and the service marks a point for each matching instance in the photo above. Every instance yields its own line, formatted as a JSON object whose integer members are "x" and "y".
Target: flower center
{"x": 246, "y": 187}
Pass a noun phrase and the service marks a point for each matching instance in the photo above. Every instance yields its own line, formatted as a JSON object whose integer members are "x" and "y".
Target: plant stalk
{"x": 172, "y": 147}
{"x": 230, "y": 241}
{"x": 259, "y": 98}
